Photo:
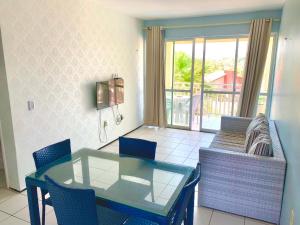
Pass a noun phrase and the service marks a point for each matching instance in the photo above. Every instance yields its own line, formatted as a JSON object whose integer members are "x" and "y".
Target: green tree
{"x": 182, "y": 67}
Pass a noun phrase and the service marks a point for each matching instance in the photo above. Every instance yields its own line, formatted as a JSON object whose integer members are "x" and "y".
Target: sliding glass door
{"x": 223, "y": 77}
{"x": 179, "y": 76}
{"x": 204, "y": 77}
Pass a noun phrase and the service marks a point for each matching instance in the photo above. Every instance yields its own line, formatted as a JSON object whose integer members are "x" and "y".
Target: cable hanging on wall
{"x": 118, "y": 117}
{"x": 101, "y": 139}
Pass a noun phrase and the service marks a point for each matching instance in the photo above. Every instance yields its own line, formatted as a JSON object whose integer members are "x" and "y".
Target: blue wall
{"x": 214, "y": 30}
{"x": 286, "y": 106}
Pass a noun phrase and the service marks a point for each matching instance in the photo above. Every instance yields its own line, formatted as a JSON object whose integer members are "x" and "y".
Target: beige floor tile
{"x": 14, "y": 204}
{"x": 222, "y": 218}
{"x": 202, "y": 216}
{"x": 249, "y": 221}
{"x": 175, "y": 159}
{"x": 164, "y": 150}
{"x": 181, "y": 153}
{"x": 194, "y": 155}
{"x": 3, "y": 216}
{"x": 161, "y": 156}
{"x": 191, "y": 162}
{"x": 203, "y": 144}
{"x": 51, "y": 219}
{"x": 190, "y": 142}
{"x": 167, "y": 144}
{"x": 6, "y": 194}
{"x": 13, "y": 221}
{"x": 24, "y": 213}
{"x": 173, "y": 139}
{"x": 184, "y": 148}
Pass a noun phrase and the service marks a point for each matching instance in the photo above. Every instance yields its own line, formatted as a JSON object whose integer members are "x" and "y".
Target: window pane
{"x": 169, "y": 64}
{"x": 267, "y": 70}
{"x": 214, "y": 106}
{"x": 183, "y": 65}
{"x": 242, "y": 53}
{"x": 168, "y": 106}
{"x": 262, "y": 104}
{"x": 219, "y": 64}
{"x": 181, "y": 108}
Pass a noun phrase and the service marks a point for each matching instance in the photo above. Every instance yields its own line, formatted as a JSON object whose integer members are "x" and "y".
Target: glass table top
{"x": 151, "y": 186}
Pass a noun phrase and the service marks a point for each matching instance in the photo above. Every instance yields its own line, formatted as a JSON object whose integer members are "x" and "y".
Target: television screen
{"x": 119, "y": 91}
{"x": 110, "y": 93}
{"x": 102, "y": 95}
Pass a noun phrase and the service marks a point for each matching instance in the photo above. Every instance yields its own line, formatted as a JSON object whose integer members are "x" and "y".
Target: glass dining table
{"x": 137, "y": 187}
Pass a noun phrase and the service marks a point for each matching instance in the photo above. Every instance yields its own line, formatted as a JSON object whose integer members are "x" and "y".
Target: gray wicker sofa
{"x": 238, "y": 182}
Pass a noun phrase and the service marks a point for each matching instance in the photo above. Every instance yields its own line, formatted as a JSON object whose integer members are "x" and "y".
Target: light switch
{"x": 30, "y": 105}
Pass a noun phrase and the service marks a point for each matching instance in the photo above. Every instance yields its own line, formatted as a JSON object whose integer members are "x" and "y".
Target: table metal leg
{"x": 33, "y": 203}
{"x": 190, "y": 211}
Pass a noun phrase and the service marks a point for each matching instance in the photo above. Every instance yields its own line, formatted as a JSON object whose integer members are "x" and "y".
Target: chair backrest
{"x": 72, "y": 206}
{"x": 51, "y": 153}
{"x": 185, "y": 196}
{"x": 137, "y": 147}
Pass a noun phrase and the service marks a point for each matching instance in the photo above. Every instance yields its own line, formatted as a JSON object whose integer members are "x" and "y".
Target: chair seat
{"x": 138, "y": 221}
{"x": 110, "y": 217}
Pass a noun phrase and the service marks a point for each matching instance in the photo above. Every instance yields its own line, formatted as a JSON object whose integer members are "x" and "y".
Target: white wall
{"x": 55, "y": 51}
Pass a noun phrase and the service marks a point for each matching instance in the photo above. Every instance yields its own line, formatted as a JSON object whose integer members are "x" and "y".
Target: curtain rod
{"x": 208, "y": 25}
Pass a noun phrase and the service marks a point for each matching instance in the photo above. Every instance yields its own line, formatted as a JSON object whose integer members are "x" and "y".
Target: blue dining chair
{"x": 180, "y": 208}
{"x": 137, "y": 147}
{"x": 45, "y": 156}
{"x": 78, "y": 207}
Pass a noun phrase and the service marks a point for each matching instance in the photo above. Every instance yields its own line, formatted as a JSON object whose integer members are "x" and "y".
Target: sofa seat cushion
{"x": 231, "y": 141}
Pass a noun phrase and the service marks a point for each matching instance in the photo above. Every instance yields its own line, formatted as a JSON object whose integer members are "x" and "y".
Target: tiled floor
{"x": 176, "y": 146}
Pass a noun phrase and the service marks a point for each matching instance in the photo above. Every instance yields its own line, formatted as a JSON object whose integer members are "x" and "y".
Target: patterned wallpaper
{"x": 54, "y": 52}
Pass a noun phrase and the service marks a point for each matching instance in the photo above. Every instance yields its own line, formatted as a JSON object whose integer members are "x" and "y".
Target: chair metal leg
{"x": 33, "y": 203}
{"x": 190, "y": 211}
{"x": 43, "y": 214}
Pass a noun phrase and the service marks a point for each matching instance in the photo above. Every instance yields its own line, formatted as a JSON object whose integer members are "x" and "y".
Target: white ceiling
{"x": 156, "y": 9}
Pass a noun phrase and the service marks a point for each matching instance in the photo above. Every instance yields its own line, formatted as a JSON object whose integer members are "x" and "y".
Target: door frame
{"x": 4, "y": 157}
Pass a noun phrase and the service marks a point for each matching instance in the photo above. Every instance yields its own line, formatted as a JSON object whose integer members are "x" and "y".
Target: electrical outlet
{"x": 30, "y": 105}
{"x": 292, "y": 217}
{"x": 105, "y": 123}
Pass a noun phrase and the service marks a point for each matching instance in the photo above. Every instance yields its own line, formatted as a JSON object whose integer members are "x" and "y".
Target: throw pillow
{"x": 262, "y": 146}
{"x": 262, "y": 128}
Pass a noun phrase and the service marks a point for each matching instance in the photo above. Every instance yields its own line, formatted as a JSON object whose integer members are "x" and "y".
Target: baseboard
{"x": 118, "y": 138}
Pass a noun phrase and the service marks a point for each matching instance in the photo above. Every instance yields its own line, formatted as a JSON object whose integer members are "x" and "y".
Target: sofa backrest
{"x": 276, "y": 145}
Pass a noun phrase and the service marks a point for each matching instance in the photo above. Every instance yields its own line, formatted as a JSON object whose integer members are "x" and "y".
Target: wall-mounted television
{"x": 110, "y": 93}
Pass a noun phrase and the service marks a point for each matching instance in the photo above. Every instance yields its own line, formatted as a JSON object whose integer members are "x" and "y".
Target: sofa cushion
{"x": 261, "y": 128}
{"x": 231, "y": 141}
{"x": 259, "y": 119}
{"x": 262, "y": 146}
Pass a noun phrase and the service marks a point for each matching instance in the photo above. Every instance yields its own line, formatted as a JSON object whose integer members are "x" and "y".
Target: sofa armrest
{"x": 235, "y": 124}
{"x": 241, "y": 183}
